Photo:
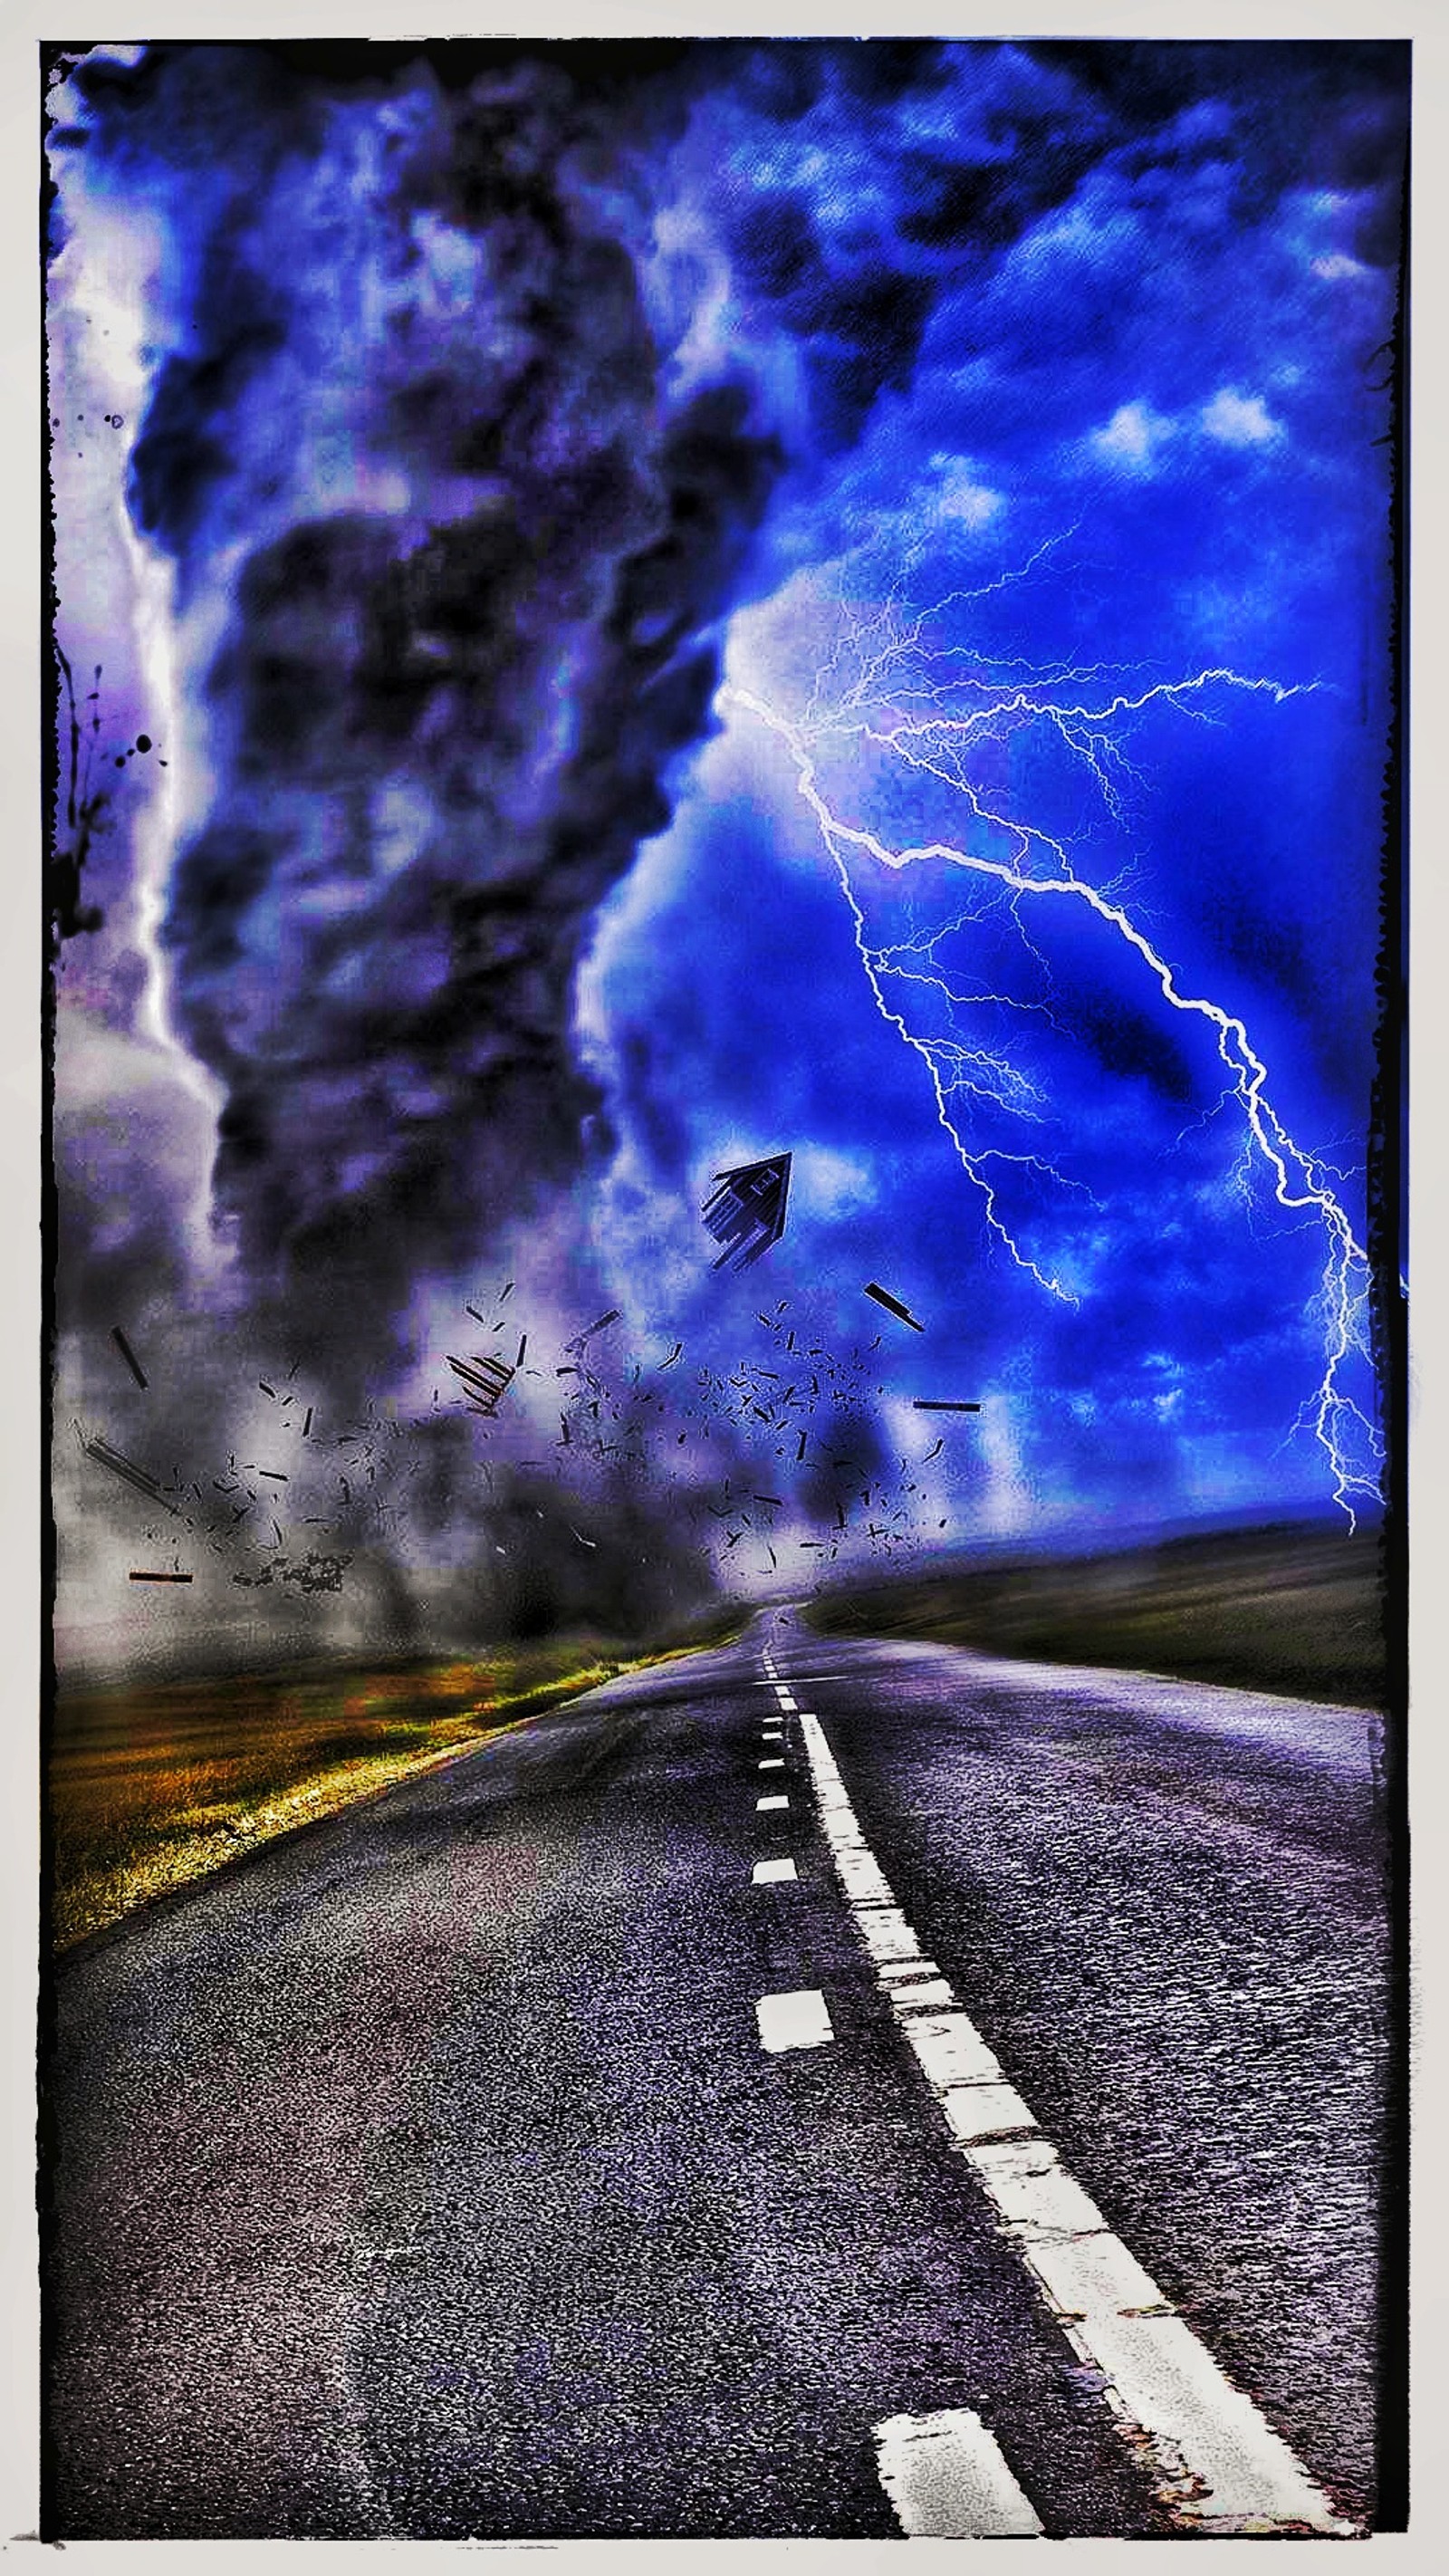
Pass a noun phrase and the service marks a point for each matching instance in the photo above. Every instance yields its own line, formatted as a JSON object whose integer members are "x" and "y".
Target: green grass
{"x": 1294, "y": 1608}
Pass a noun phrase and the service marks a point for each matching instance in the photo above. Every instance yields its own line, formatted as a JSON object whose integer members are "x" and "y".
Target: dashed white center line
{"x": 948, "y": 2480}
{"x": 762, "y": 1803}
{"x": 776, "y": 1762}
{"x": 768, "y": 1872}
{"x": 793, "y": 2021}
{"x": 1216, "y": 2462}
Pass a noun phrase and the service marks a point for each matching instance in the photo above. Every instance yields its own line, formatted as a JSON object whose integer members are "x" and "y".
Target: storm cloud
{"x": 440, "y": 728}
{"x": 433, "y": 425}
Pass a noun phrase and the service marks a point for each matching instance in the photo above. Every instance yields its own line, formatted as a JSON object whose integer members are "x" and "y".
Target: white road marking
{"x": 888, "y": 1936}
{"x": 1034, "y": 2192}
{"x": 762, "y": 1803}
{"x": 1215, "y": 2461}
{"x": 784, "y": 1698}
{"x": 984, "y": 2111}
{"x": 950, "y": 2049}
{"x": 923, "y": 1996}
{"x": 902, "y": 1978}
{"x": 767, "y": 1872}
{"x": 793, "y": 2021}
{"x": 1082, "y": 2272}
{"x": 776, "y": 1762}
{"x": 947, "y": 2479}
{"x": 861, "y": 1878}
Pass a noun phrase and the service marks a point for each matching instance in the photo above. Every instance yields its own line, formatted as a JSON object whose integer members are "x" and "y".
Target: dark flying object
{"x": 746, "y": 1213}
{"x": 484, "y": 1380}
{"x": 128, "y": 1355}
{"x": 892, "y": 1304}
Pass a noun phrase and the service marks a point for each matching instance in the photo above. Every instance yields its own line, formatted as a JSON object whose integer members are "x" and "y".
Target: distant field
{"x": 153, "y": 1784}
{"x": 1293, "y": 1608}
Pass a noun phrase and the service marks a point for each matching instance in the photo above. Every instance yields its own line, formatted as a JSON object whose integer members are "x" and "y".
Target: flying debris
{"x": 140, "y": 1575}
{"x": 486, "y": 1380}
{"x": 892, "y": 1305}
{"x": 312, "y": 1573}
{"x": 941, "y": 1404}
{"x": 589, "y": 1330}
{"x": 106, "y": 1456}
{"x": 747, "y": 1211}
{"x": 315, "y": 1572}
{"x": 128, "y": 1355}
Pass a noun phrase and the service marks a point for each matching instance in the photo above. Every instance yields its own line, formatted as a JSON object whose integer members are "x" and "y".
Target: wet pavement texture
{"x": 1165, "y": 1908}
{"x": 425, "y": 2177}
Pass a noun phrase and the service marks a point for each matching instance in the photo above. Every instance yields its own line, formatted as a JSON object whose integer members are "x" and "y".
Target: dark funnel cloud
{"x": 440, "y": 726}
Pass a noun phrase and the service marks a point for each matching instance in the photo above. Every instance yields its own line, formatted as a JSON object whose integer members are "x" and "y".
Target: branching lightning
{"x": 929, "y": 710}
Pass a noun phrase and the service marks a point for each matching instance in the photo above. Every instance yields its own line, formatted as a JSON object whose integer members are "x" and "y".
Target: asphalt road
{"x": 426, "y": 2176}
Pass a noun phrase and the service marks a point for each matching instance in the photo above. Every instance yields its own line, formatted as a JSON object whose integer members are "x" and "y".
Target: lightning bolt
{"x": 926, "y": 728}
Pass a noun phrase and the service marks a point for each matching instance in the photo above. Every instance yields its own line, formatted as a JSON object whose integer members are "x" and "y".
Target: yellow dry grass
{"x": 153, "y": 1786}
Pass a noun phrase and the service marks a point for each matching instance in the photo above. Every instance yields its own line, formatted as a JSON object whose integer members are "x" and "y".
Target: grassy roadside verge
{"x": 1296, "y": 1609}
{"x": 153, "y": 1785}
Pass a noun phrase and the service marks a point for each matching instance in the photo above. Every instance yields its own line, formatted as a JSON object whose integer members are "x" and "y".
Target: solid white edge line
{"x": 1216, "y": 2462}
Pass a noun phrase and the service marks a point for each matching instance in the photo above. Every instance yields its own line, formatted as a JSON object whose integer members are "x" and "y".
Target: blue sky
{"x": 745, "y": 598}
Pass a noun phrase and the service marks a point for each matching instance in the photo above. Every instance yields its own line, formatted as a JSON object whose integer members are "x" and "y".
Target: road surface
{"x": 448, "y": 2169}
